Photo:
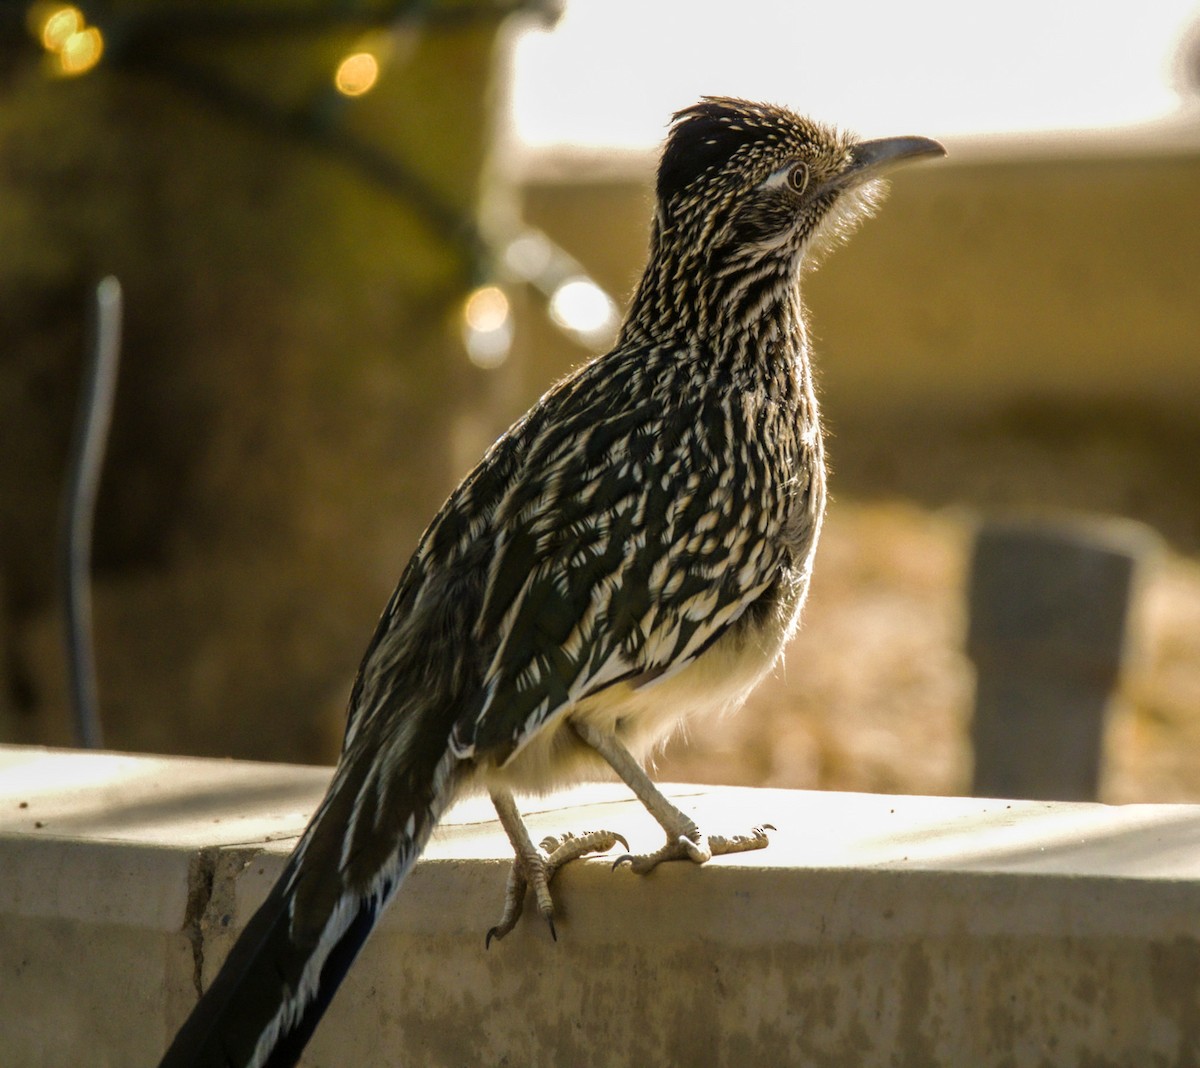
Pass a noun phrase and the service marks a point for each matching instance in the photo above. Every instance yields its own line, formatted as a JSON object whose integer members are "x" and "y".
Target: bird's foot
{"x": 539, "y": 867}
{"x": 696, "y": 847}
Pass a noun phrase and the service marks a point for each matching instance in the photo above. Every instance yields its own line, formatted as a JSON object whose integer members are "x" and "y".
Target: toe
{"x": 741, "y": 843}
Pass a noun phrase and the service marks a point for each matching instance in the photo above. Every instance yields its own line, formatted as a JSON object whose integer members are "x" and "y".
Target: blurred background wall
{"x": 293, "y": 380}
{"x": 334, "y": 302}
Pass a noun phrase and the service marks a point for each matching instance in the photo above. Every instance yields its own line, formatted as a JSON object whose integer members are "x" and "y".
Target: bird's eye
{"x": 798, "y": 178}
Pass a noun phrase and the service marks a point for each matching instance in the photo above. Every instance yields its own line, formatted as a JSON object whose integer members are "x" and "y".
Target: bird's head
{"x": 759, "y": 179}
{"x": 747, "y": 193}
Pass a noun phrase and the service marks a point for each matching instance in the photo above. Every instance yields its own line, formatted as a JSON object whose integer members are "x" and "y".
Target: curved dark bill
{"x": 868, "y": 158}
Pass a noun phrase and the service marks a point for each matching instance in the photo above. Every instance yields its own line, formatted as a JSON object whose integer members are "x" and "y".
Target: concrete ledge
{"x": 876, "y": 930}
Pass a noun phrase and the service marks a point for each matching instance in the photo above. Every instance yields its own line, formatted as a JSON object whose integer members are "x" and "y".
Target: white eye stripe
{"x": 780, "y": 177}
{"x": 783, "y": 178}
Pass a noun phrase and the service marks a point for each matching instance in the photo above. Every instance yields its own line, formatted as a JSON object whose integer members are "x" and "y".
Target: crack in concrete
{"x": 201, "y": 873}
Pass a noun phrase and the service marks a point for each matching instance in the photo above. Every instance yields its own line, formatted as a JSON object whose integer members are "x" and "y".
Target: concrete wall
{"x": 874, "y": 930}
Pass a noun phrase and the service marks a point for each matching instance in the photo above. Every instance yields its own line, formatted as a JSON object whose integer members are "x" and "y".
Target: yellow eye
{"x": 798, "y": 178}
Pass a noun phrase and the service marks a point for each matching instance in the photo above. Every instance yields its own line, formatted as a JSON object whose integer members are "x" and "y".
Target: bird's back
{"x": 660, "y": 507}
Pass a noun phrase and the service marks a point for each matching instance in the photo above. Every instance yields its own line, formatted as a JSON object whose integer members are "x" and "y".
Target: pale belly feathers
{"x": 643, "y": 717}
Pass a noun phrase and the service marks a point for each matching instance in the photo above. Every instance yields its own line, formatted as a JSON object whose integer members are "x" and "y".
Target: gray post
{"x": 1049, "y": 604}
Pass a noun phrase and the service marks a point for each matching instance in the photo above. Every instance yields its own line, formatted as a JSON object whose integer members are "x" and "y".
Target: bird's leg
{"x": 536, "y": 865}
{"x": 684, "y": 839}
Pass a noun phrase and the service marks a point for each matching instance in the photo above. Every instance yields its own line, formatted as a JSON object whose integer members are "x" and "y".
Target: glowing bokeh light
{"x": 487, "y": 327}
{"x": 58, "y": 26}
{"x": 529, "y": 255}
{"x": 486, "y": 309}
{"x": 81, "y": 51}
{"x": 582, "y": 306}
{"x": 357, "y": 74}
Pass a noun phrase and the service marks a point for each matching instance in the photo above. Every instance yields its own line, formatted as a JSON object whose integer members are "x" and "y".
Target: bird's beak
{"x": 870, "y": 158}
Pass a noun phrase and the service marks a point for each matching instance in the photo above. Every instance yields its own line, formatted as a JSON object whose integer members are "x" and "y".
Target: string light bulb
{"x": 81, "y": 51}
{"x": 577, "y": 304}
{"x": 74, "y": 46}
{"x": 357, "y": 74}
{"x": 581, "y": 307}
{"x": 57, "y": 24}
{"x": 487, "y": 326}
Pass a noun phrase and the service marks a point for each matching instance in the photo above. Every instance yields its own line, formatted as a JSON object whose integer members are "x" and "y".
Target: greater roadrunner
{"x": 635, "y": 550}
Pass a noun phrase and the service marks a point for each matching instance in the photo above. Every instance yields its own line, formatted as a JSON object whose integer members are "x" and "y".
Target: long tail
{"x": 287, "y": 964}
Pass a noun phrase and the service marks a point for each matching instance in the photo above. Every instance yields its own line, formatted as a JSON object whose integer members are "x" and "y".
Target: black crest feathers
{"x": 720, "y": 130}
{"x": 703, "y": 138}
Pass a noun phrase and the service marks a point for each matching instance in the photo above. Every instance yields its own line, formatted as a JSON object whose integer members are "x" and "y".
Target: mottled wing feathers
{"x": 615, "y": 532}
{"x": 626, "y": 547}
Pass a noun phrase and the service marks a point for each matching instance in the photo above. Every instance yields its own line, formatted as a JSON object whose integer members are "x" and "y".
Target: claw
{"x": 624, "y": 857}
{"x": 506, "y": 924}
{"x": 539, "y": 867}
